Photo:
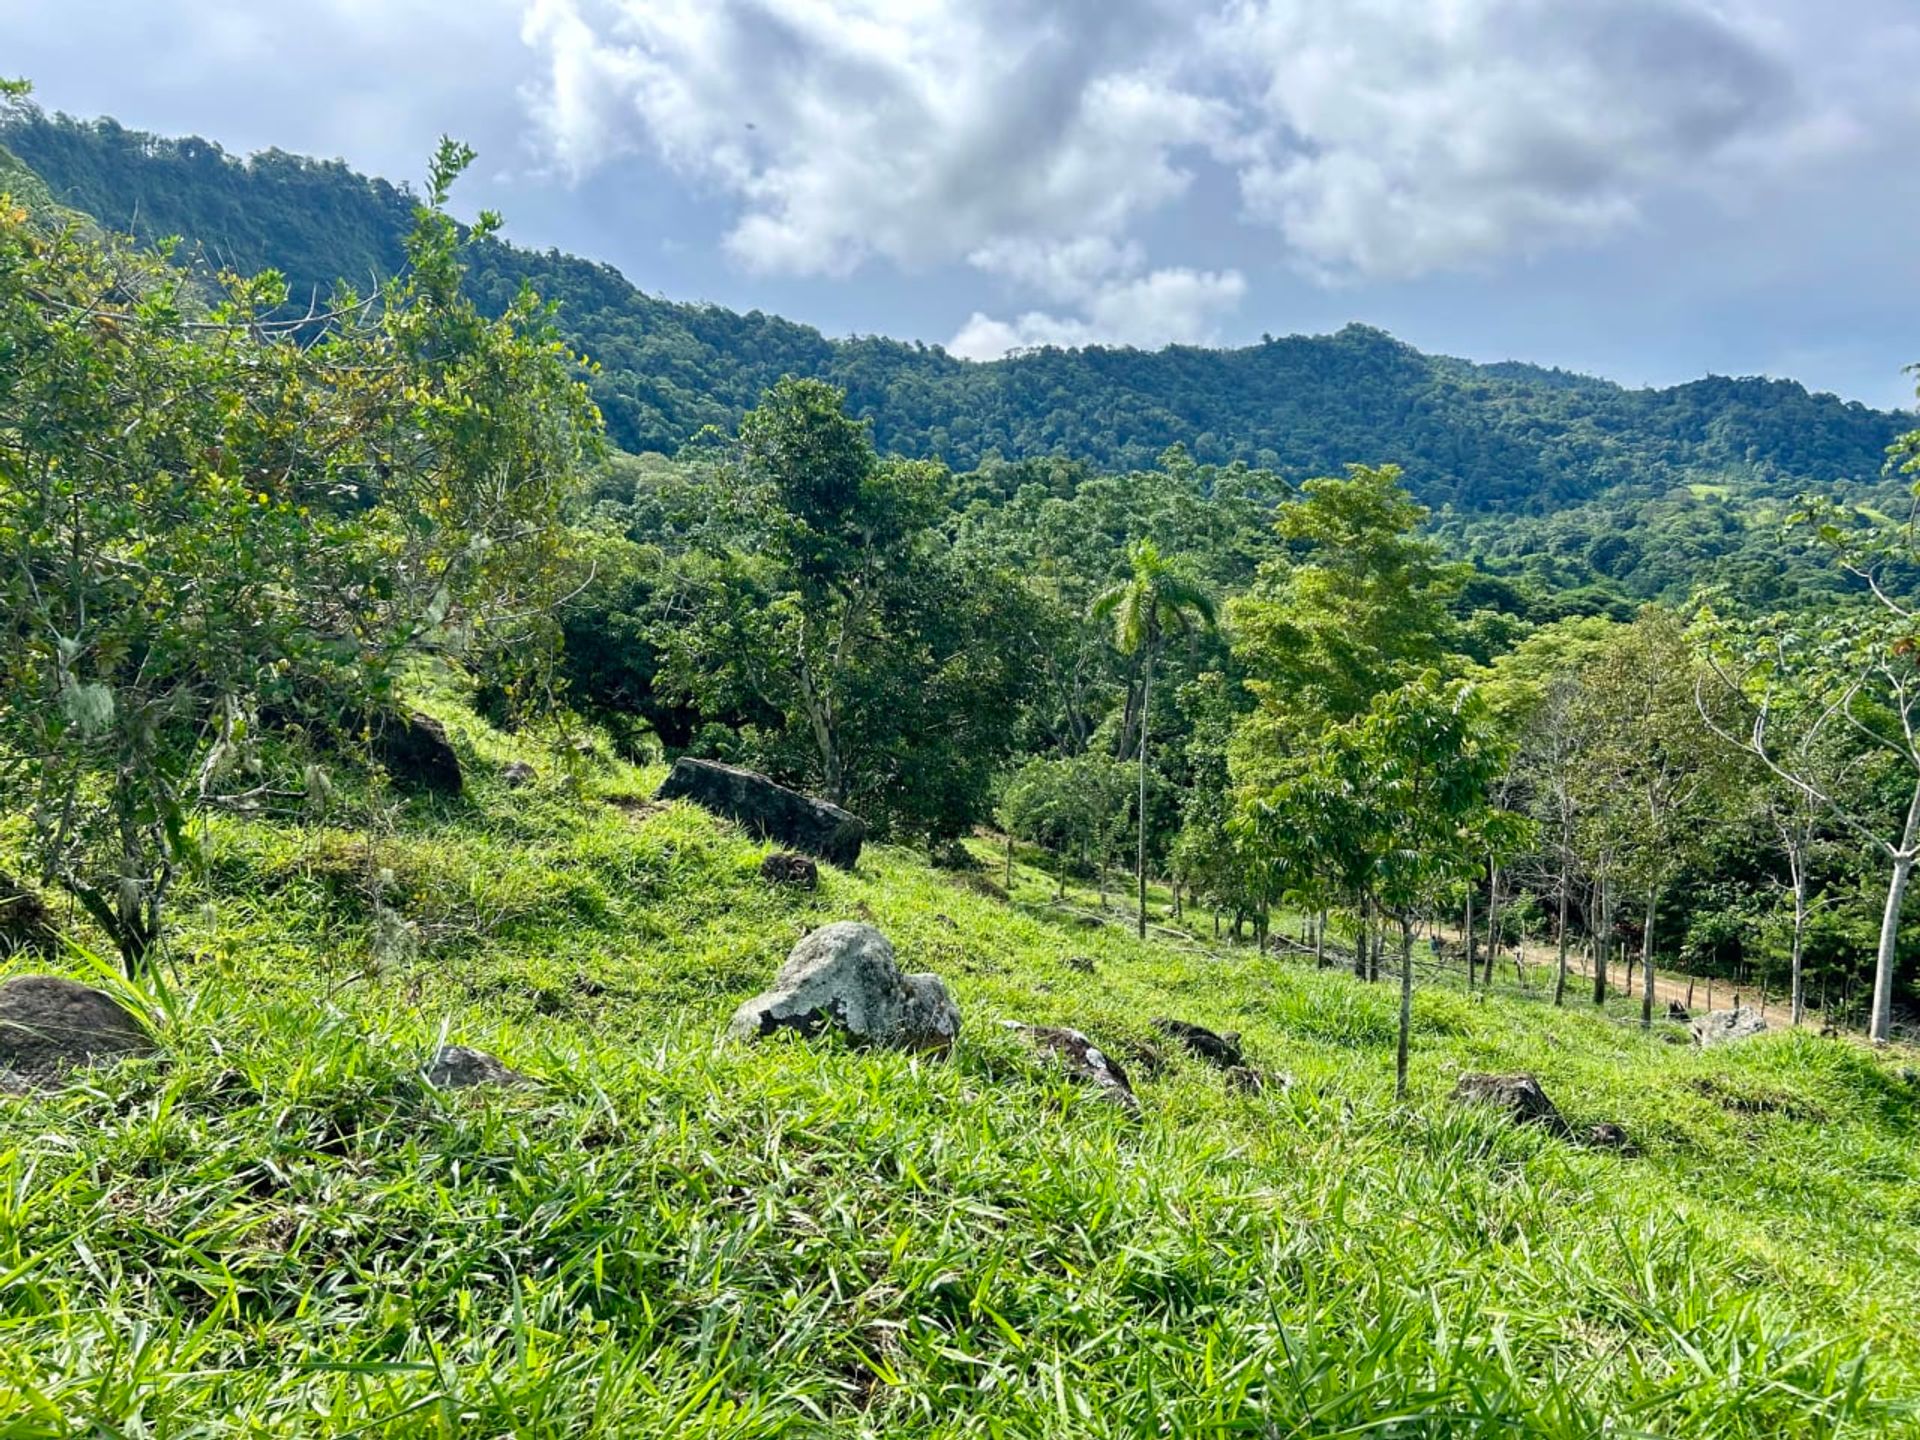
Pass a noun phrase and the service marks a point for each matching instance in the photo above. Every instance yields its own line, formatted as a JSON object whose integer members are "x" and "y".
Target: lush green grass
{"x": 278, "y": 1228}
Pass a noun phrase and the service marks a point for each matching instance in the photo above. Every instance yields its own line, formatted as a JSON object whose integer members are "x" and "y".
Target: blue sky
{"x": 1645, "y": 189}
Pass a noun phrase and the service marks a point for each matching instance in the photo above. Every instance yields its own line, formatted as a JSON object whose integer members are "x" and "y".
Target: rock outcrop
{"x": 767, "y": 810}
{"x": 844, "y": 977}
{"x": 50, "y": 1026}
{"x": 1723, "y": 1027}
{"x": 1081, "y": 1059}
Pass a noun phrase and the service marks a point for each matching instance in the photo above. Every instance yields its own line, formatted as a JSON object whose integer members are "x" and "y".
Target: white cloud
{"x": 1389, "y": 139}
{"x": 1171, "y": 306}
{"x": 1038, "y": 140}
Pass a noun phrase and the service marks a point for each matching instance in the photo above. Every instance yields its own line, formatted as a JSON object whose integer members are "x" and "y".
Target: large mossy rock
{"x": 844, "y": 977}
{"x": 49, "y": 1026}
{"x": 767, "y": 810}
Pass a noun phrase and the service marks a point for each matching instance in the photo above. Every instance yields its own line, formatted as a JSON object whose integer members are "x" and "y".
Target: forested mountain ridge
{"x": 1507, "y": 436}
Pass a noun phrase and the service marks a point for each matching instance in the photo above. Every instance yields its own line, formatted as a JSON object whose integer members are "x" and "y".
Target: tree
{"x": 1358, "y": 603}
{"x": 1802, "y": 694}
{"x": 819, "y": 596}
{"x": 1394, "y": 804}
{"x": 1652, "y": 772}
{"x": 208, "y": 514}
{"x": 1156, "y": 599}
{"x": 1072, "y": 805}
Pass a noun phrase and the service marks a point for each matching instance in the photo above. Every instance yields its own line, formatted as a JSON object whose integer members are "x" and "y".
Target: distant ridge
{"x": 1508, "y": 436}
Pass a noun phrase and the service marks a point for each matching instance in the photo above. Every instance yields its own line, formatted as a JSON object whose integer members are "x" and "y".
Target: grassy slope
{"x": 279, "y": 1229}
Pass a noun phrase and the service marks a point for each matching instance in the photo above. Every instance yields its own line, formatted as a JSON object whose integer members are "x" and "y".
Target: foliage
{"x": 204, "y": 517}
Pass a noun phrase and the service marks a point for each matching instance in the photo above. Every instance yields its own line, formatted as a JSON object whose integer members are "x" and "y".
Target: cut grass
{"x": 278, "y": 1228}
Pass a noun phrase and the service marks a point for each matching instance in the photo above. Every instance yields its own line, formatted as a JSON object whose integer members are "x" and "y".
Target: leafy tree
{"x": 1357, "y": 604}
{"x": 1073, "y": 805}
{"x": 1393, "y": 805}
{"x": 1157, "y": 599}
{"x": 1653, "y": 777}
{"x": 1808, "y": 699}
{"x": 206, "y": 515}
{"x": 818, "y": 595}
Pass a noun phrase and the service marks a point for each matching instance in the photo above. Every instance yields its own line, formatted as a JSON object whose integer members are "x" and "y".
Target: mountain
{"x": 1503, "y": 437}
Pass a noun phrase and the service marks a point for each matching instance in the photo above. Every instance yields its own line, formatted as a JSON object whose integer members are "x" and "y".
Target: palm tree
{"x": 1155, "y": 599}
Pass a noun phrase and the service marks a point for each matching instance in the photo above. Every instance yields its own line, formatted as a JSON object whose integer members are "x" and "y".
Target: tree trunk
{"x": 1320, "y": 941}
{"x": 1009, "y": 884}
{"x": 1646, "y": 963}
{"x": 1493, "y": 918}
{"x": 1406, "y": 1009}
{"x": 1560, "y": 976}
{"x": 1467, "y": 935}
{"x": 1881, "y": 1029}
{"x": 1146, "y": 714}
{"x": 1601, "y": 944}
{"x": 1799, "y": 936}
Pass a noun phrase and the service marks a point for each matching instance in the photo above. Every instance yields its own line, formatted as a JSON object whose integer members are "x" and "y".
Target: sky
{"x": 1649, "y": 190}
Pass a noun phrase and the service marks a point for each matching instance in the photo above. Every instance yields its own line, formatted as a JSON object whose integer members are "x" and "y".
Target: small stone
{"x": 49, "y": 1026}
{"x": 1609, "y": 1136}
{"x": 25, "y": 924}
{"x": 1082, "y": 964}
{"x": 1082, "y": 1059}
{"x": 1724, "y": 1027}
{"x": 1520, "y": 1096}
{"x": 517, "y": 774}
{"x": 1257, "y": 1082}
{"x": 457, "y": 1067}
{"x": 784, "y": 867}
{"x": 845, "y": 976}
{"x": 1220, "y": 1051}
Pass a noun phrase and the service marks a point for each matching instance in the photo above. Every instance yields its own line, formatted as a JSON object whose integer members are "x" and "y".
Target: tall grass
{"x": 276, "y": 1227}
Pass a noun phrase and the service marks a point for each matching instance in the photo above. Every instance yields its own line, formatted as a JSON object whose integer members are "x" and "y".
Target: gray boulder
{"x": 1519, "y": 1096}
{"x": 767, "y": 810}
{"x": 517, "y": 774}
{"x": 1723, "y": 1027}
{"x": 49, "y": 1026}
{"x": 1081, "y": 1059}
{"x": 459, "y": 1067}
{"x": 844, "y": 976}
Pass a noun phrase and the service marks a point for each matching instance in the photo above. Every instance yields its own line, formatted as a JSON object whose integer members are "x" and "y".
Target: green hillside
{"x": 1507, "y": 437}
{"x": 277, "y": 1227}
{"x": 344, "y": 662}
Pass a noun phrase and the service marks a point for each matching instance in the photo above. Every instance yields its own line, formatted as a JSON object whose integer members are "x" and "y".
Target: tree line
{"x": 1276, "y": 698}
